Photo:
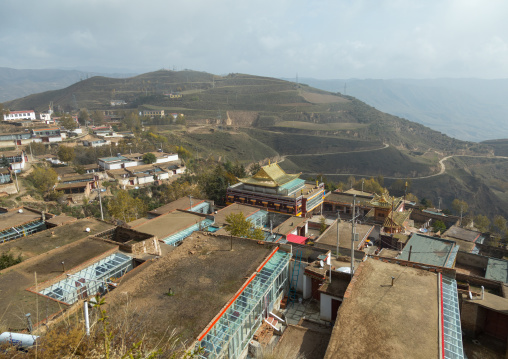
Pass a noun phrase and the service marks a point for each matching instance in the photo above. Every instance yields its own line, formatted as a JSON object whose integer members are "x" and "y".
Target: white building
{"x": 20, "y": 115}
{"x": 165, "y": 157}
{"x": 96, "y": 143}
{"x": 46, "y": 118}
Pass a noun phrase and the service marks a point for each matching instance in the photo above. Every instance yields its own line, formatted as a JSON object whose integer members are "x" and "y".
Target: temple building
{"x": 390, "y": 211}
{"x": 276, "y": 191}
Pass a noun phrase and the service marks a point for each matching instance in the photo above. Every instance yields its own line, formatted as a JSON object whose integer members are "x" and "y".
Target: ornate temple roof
{"x": 385, "y": 201}
{"x": 396, "y": 219}
{"x": 269, "y": 176}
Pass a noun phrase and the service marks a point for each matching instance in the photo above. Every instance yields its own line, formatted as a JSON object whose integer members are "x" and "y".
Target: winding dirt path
{"x": 442, "y": 169}
{"x": 336, "y": 153}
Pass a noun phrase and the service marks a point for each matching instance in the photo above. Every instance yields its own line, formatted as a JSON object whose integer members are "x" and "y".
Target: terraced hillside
{"x": 251, "y": 118}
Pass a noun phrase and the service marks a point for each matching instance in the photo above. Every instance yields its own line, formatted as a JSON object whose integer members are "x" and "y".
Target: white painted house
{"x": 20, "y": 115}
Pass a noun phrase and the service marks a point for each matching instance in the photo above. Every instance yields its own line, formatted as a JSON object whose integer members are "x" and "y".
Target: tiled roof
{"x": 385, "y": 200}
{"x": 269, "y": 176}
{"x": 396, "y": 219}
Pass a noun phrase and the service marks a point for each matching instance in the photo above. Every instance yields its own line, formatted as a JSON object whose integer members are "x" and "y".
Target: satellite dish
{"x": 87, "y": 229}
{"x": 321, "y": 264}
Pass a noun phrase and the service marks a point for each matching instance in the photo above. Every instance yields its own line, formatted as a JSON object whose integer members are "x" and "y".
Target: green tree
{"x": 183, "y": 153}
{"x": 132, "y": 121}
{"x": 43, "y": 178}
{"x": 149, "y": 158}
{"x": 66, "y": 154}
{"x": 215, "y": 184}
{"x": 38, "y": 148}
{"x": 482, "y": 223}
{"x": 351, "y": 180}
{"x": 4, "y": 162}
{"x": 460, "y": 207}
{"x": 439, "y": 226}
{"x": 67, "y": 121}
{"x": 427, "y": 203}
{"x": 239, "y": 226}
{"x": 322, "y": 225}
{"x": 3, "y": 111}
{"x": 254, "y": 168}
{"x": 411, "y": 197}
{"x": 180, "y": 119}
{"x": 8, "y": 260}
{"x": 236, "y": 169}
{"x": 97, "y": 118}
{"x": 83, "y": 116}
{"x": 126, "y": 208}
{"x": 499, "y": 224}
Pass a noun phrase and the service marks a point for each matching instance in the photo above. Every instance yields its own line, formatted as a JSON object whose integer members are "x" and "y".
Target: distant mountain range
{"x": 20, "y": 83}
{"x": 466, "y": 109}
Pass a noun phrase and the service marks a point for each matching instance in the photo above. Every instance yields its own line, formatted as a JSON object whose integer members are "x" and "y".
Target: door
{"x": 335, "y": 308}
{"x": 496, "y": 324}
{"x": 316, "y": 283}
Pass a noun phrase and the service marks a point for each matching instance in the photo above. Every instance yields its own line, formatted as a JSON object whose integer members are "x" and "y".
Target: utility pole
{"x": 338, "y": 224}
{"x": 363, "y": 180}
{"x": 353, "y": 238}
{"x": 100, "y": 200}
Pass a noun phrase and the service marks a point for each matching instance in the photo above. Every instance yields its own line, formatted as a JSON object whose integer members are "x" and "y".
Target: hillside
{"x": 247, "y": 118}
{"x": 248, "y": 101}
{"x": 467, "y": 109}
{"x": 19, "y": 83}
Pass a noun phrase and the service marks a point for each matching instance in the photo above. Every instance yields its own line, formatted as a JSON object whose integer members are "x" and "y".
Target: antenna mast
{"x": 353, "y": 237}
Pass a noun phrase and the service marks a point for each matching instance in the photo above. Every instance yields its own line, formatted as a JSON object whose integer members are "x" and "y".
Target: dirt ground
{"x": 322, "y": 98}
{"x": 484, "y": 348}
{"x": 309, "y": 340}
{"x": 381, "y": 320}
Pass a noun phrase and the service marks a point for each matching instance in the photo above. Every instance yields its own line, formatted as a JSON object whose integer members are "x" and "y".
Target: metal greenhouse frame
{"x": 230, "y": 333}
{"x": 91, "y": 280}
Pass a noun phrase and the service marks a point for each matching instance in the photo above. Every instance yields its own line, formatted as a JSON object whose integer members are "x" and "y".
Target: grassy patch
{"x": 320, "y": 126}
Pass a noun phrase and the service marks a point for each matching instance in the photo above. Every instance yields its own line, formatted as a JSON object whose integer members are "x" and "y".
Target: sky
{"x": 279, "y": 38}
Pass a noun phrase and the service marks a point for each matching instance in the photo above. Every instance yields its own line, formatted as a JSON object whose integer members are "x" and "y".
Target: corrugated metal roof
{"x": 429, "y": 250}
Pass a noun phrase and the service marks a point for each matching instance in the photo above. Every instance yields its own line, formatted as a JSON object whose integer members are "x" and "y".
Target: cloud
{"x": 375, "y": 39}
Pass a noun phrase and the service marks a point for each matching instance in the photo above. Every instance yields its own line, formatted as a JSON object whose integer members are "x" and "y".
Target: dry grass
{"x": 282, "y": 350}
{"x": 120, "y": 337}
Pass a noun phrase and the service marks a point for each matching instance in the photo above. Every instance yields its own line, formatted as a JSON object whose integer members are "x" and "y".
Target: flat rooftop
{"x": 204, "y": 275}
{"x": 457, "y": 232}
{"x": 384, "y": 321}
{"x": 220, "y": 216}
{"x": 491, "y": 301}
{"x": 183, "y": 203}
{"x": 429, "y": 250}
{"x": 497, "y": 269}
{"x": 13, "y": 218}
{"x": 44, "y": 241}
{"x": 290, "y": 225}
{"x": 329, "y": 237}
{"x": 169, "y": 223}
{"x": 344, "y": 198}
{"x": 61, "y": 220}
{"x": 16, "y": 301}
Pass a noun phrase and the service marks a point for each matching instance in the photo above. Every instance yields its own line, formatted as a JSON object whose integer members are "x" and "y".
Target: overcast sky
{"x": 279, "y": 38}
